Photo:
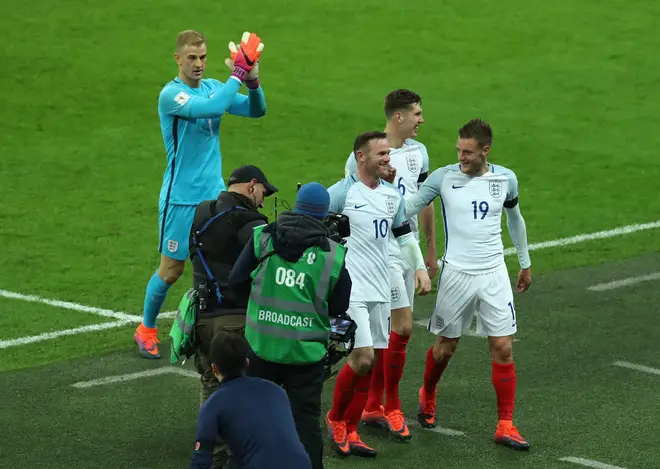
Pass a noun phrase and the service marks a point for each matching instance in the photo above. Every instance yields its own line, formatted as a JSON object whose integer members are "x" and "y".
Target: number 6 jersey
{"x": 472, "y": 213}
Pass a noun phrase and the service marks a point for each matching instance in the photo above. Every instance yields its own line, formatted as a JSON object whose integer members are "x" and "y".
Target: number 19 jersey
{"x": 472, "y": 214}
{"x": 374, "y": 215}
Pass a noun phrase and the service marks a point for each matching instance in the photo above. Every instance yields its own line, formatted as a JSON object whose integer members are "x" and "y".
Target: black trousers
{"x": 207, "y": 328}
{"x": 304, "y": 385}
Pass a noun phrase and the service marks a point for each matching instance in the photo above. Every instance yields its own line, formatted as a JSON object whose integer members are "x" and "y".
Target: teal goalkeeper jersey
{"x": 190, "y": 124}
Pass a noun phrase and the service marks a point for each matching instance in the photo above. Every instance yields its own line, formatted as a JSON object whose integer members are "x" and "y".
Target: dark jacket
{"x": 293, "y": 233}
{"x": 254, "y": 417}
{"x": 221, "y": 244}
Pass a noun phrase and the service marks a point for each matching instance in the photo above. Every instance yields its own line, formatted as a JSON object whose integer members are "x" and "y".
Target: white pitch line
{"x": 53, "y": 335}
{"x": 133, "y": 318}
{"x": 624, "y": 282}
{"x": 589, "y": 237}
{"x": 133, "y": 376}
{"x": 70, "y": 305}
{"x": 589, "y": 463}
{"x": 636, "y": 367}
{"x": 441, "y": 430}
{"x": 184, "y": 372}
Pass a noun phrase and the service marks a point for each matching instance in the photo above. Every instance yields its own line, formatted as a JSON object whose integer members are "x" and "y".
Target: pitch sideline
{"x": 127, "y": 318}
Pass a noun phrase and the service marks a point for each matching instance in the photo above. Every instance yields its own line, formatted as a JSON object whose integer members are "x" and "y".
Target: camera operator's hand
{"x": 422, "y": 282}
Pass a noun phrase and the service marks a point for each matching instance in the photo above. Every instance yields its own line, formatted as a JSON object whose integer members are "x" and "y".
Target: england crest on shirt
{"x": 390, "y": 205}
{"x": 413, "y": 164}
{"x": 495, "y": 189}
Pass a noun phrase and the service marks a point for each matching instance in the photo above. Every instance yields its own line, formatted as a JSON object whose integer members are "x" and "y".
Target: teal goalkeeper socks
{"x": 154, "y": 299}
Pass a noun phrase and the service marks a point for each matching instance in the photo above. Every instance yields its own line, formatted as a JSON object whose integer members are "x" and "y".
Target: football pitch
{"x": 571, "y": 90}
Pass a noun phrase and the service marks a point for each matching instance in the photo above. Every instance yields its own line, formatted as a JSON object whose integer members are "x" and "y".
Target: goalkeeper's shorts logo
{"x": 172, "y": 245}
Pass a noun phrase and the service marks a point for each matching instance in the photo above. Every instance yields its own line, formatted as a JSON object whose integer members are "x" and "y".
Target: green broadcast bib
{"x": 183, "y": 339}
{"x": 287, "y": 316}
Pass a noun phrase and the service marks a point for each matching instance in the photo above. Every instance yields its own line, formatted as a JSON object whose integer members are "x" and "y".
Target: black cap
{"x": 249, "y": 172}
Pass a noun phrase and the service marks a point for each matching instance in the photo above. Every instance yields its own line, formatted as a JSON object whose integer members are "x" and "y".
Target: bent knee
{"x": 444, "y": 349}
{"x": 363, "y": 361}
{"x": 170, "y": 270}
{"x": 404, "y": 330}
{"x": 501, "y": 349}
{"x": 402, "y": 321}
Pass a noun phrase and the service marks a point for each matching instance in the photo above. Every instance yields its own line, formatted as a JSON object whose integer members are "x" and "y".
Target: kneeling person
{"x": 252, "y": 415}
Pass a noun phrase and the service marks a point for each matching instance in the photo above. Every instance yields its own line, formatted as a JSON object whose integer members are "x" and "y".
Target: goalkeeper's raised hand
{"x": 244, "y": 61}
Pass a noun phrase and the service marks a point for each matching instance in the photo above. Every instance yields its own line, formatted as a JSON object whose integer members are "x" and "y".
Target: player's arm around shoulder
{"x": 518, "y": 231}
{"x": 427, "y": 193}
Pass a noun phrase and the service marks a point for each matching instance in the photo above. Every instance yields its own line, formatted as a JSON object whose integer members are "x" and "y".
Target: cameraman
{"x": 300, "y": 281}
{"x": 220, "y": 230}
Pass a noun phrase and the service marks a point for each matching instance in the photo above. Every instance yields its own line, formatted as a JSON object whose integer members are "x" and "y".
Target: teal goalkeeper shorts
{"x": 175, "y": 222}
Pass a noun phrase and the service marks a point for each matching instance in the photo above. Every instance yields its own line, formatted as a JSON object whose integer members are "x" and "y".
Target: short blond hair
{"x": 189, "y": 37}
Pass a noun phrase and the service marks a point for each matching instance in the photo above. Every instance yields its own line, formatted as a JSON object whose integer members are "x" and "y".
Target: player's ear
{"x": 485, "y": 150}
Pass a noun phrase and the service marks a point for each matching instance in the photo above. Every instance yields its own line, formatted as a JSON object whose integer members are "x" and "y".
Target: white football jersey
{"x": 411, "y": 162}
{"x": 472, "y": 213}
{"x": 375, "y": 215}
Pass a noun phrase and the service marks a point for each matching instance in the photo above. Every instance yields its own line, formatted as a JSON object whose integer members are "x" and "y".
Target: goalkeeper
{"x": 190, "y": 109}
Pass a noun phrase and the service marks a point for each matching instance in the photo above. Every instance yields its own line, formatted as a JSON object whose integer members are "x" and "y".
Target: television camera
{"x": 342, "y": 328}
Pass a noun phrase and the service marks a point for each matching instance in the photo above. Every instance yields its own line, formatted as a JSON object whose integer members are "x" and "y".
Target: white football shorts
{"x": 460, "y": 295}
{"x": 402, "y": 283}
{"x": 373, "y": 323}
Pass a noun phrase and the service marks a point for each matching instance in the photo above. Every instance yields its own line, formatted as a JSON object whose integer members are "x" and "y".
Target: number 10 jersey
{"x": 374, "y": 215}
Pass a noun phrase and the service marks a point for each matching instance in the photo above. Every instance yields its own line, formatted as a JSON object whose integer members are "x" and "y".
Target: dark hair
{"x": 479, "y": 130}
{"x": 229, "y": 351}
{"x": 398, "y": 100}
{"x": 364, "y": 138}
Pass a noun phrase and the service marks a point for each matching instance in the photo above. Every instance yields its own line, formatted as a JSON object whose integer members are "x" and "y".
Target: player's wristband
{"x": 252, "y": 84}
{"x": 239, "y": 73}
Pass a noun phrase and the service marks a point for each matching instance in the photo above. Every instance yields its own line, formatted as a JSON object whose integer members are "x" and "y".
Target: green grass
{"x": 571, "y": 89}
{"x": 13, "y": 324}
{"x": 571, "y": 401}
